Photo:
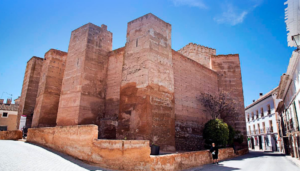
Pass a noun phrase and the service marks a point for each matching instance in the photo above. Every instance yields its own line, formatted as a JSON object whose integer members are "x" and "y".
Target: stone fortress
{"x": 142, "y": 91}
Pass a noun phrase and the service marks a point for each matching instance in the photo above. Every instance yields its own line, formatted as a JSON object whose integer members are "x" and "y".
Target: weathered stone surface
{"x": 147, "y": 88}
{"x": 82, "y": 99}
{"x": 182, "y": 161}
{"x": 191, "y": 79}
{"x": 198, "y": 53}
{"x": 50, "y": 84}
{"x": 10, "y": 135}
{"x": 81, "y": 142}
{"x": 30, "y": 89}
{"x": 230, "y": 80}
{"x": 109, "y": 122}
{"x": 143, "y": 91}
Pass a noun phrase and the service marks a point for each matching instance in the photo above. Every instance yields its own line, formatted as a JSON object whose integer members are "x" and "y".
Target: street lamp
{"x": 296, "y": 39}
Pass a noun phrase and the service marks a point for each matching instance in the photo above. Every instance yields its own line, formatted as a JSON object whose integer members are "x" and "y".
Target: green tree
{"x": 216, "y": 131}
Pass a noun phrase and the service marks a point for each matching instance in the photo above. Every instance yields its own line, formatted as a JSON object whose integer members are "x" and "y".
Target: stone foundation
{"x": 81, "y": 142}
{"x": 10, "y": 135}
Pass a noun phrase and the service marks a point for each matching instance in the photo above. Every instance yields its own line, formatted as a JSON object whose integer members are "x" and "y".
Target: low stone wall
{"x": 242, "y": 151}
{"x": 81, "y": 142}
{"x": 181, "y": 161}
{"x": 10, "y": 135}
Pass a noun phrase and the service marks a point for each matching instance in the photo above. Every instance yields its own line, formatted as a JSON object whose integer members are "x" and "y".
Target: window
{"x": 256, "y": 113}
{"x": 252, "y": 116}
{"x": 3, "y": 128}
{"x": 4, "y": 115}
{"x": 250, "y": 129}
{"x": 269, "y": 109}
{"x": 264, "y": 127}
{"x": 248, "y": 117}
{"x": 262, "y": 112}
{"x": 271, "y": 126}
{"x": 258, "y": 127}
{"x": 254, "y": 129}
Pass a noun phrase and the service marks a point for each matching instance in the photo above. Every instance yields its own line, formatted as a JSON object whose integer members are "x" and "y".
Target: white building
{"x": 289, "y": 106}
{"x": 261, "y": 121}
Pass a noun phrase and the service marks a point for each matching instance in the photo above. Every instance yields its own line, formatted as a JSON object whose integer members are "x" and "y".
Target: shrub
{"x": 216, "y": 131}
{"x": 232, "y": 134}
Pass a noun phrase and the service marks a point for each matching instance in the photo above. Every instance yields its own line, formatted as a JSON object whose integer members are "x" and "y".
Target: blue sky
{"x": 255, "y": 29}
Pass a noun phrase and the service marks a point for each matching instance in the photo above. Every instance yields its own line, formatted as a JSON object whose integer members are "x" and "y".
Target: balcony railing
{"x": 270, "y": 130}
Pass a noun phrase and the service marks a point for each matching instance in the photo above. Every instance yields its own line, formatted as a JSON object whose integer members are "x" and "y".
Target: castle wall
{"x": 50, "y": 84}
{"x": 230, "y": 80}
{"x": 29, "y": 89}
{"x": 147, "y": 88}
{"x": 198, "y": 53}
{"x": 114, "y": 76}
{"x": 82, "y": 98}
{"x": 190, "y": 80}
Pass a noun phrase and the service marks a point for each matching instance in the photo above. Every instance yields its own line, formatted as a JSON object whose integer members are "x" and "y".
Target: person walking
{"x": 214, "y": 151}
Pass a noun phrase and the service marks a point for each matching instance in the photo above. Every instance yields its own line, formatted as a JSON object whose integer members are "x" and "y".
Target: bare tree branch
{"x": 220, "y": 106}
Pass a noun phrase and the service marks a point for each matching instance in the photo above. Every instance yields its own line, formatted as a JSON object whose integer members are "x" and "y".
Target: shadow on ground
{"x": 221, "y": 167}
{"x": 78, "y": 162}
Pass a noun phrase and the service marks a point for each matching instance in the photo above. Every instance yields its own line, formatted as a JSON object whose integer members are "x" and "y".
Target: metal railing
{"x": 270, "y": 130}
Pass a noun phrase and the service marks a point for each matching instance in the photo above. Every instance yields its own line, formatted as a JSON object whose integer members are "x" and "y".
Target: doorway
{"x": 260, "y": 142}
{"x": 252, "y": 143}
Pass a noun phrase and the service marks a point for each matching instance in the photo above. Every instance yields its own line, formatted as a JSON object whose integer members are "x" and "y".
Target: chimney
{"x": 1, "y": 101}
{"x": 260, "y": 94}
{"x": 8, "y": 101}
{"x": 253, "y": 100}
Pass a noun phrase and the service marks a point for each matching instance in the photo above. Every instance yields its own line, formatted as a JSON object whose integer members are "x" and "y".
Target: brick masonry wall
{"x": 198, "y": 53}
{"x": 50, "y": 84}
{"x": 191, "y": 79}
{"x": 230, "y": 80}
{"x": 82, "y": 99}
{"x": 147, "y": 88}
{"x": 29, "y": 89}
{"x": 109, "y": 121}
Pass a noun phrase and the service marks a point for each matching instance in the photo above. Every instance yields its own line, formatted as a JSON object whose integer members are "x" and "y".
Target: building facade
{"x": 262, "y": 131}
{"x": 8, "y": 115}
{"x": 144, "y": 90}
{"x": 289, "y": 106}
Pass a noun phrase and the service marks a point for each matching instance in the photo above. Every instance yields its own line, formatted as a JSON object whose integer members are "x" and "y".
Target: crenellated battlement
{"x": 149, "y": 15}
{"x": 198, "y": 53}
{"x": 195, "y": 45}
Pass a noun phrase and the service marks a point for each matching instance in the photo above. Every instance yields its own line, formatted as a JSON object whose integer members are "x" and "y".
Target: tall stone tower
{"x": 230, "y": 80}
{"x": 45, "y": 111}
{"x": 82, "y": 99}
{"x": 29, "y": 90}
{"x": 147, "y": 88}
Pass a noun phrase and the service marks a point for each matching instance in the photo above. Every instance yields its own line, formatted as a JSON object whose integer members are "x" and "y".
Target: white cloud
{"x": 191, "y": 3}
{"x": 231, "y": 15}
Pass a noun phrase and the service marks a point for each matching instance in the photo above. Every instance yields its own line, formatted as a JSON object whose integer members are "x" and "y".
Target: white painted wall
{"x": 259, "y": 120}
